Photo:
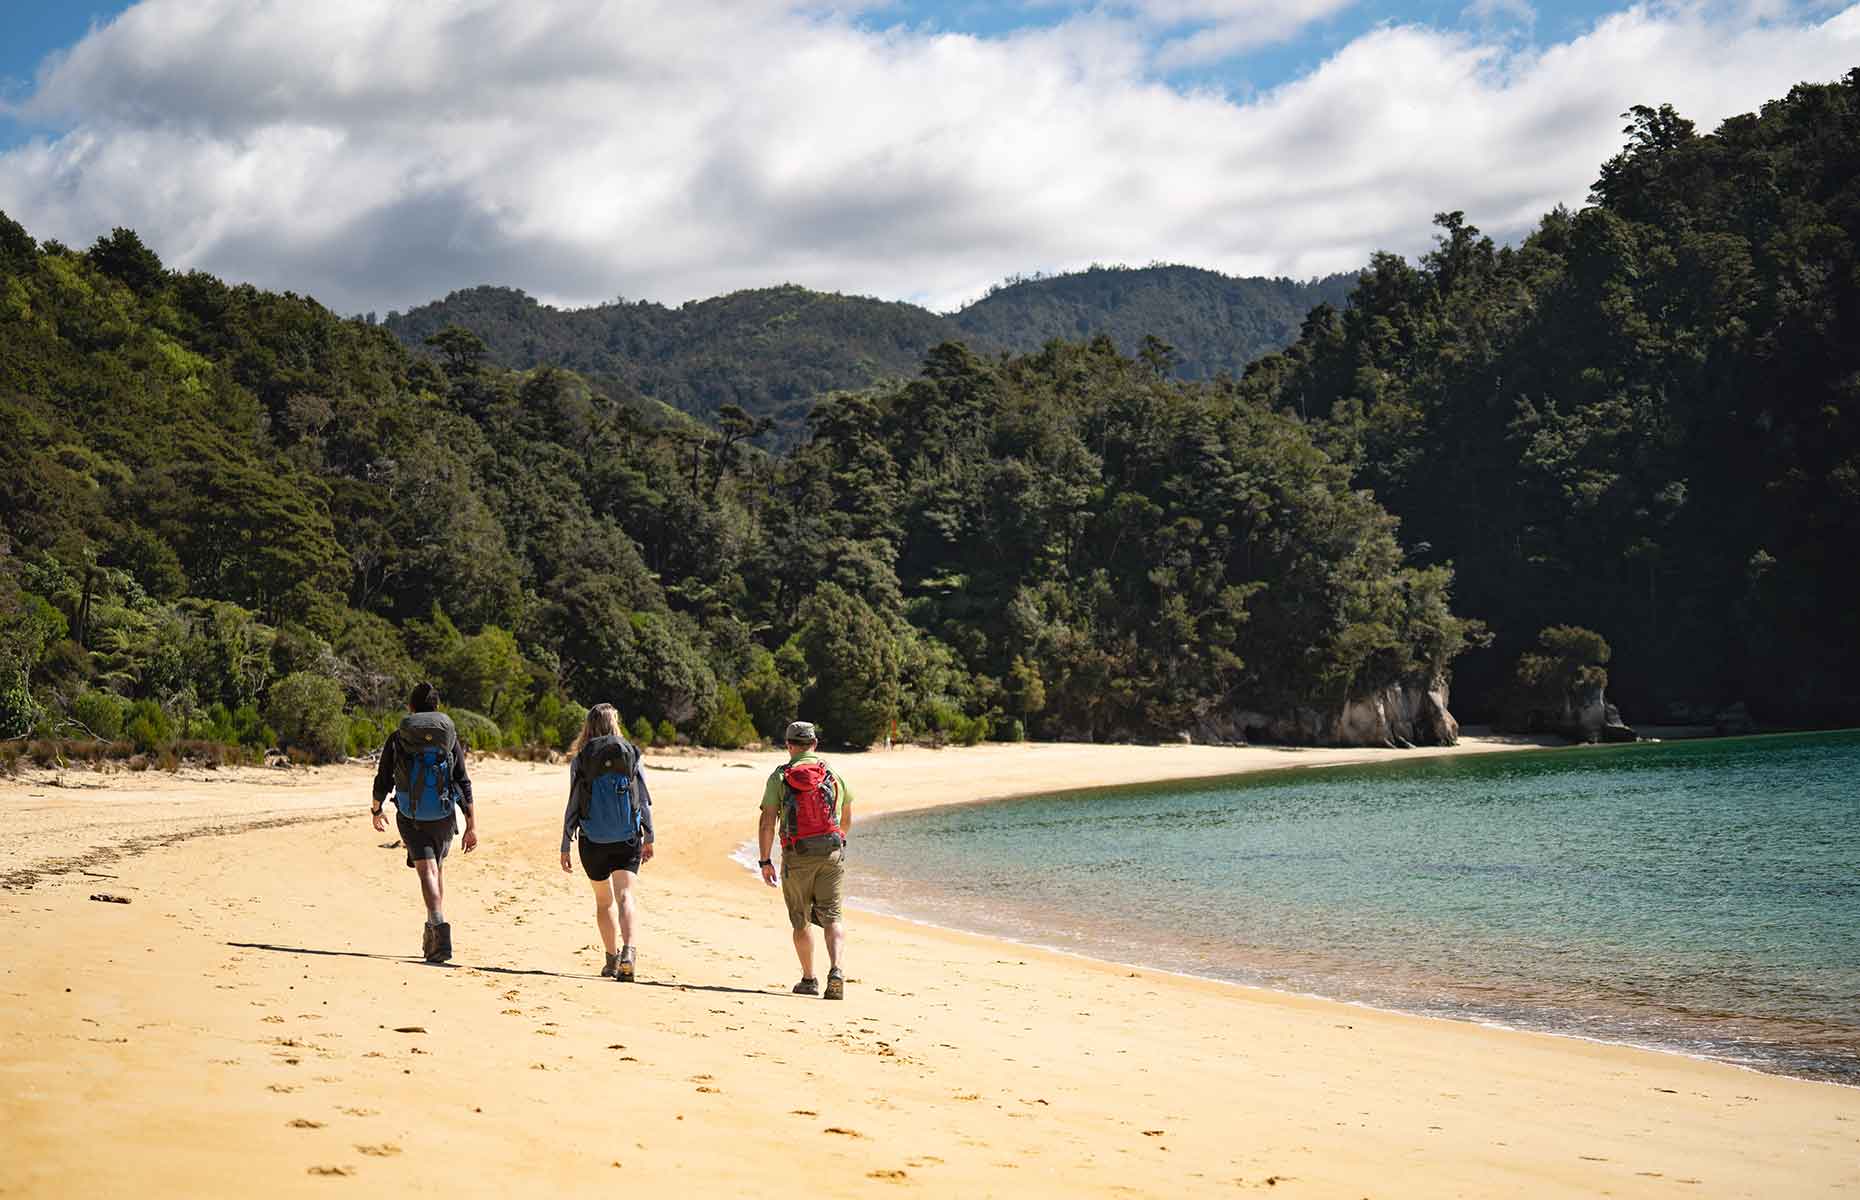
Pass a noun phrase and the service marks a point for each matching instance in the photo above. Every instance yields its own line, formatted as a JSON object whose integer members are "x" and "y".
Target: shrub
{"x": 568, "y": 725}
{"x": 238, "y": 727}
{"x": 19, "y": 712}
{"x": 147, "y": 726}
{"x": 771, "y": 691}
{"x": 641, "y": 734}
{"x": 665, "y": 735}
{"x": 729, "y": 727}
{"x": 101, "y": 713}
{"x": 477, "y": 731}
{"x": 306, "y": 710}
{"x": 364, "y": 735}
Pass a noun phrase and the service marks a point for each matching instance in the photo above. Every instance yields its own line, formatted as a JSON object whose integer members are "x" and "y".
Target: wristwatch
{"x": 765, "y": 862}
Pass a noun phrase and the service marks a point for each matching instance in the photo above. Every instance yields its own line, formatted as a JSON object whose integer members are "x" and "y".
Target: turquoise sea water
{"x": 1702, "y": 897}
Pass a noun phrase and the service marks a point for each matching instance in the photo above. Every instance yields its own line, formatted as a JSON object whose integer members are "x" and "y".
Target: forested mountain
{"x": 769, "y": 351}
{"x": 232, "y": 515}
{"x": 772, "y": 350}
{"x": 1210, "y": 322}
{"x": 1644, "y": 420}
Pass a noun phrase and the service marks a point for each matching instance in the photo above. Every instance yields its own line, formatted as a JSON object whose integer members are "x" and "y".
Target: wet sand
{"x": 257, "y": 1021}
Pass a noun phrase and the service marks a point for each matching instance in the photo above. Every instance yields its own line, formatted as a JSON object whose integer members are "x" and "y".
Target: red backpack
{"x": 810, "y": 809}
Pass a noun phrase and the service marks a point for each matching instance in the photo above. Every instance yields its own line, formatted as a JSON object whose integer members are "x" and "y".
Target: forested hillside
{"x": 1210, "y": 322}
{"x": 233, "y": 516}
{"x": 1644, "y": 420}
{"x": 771, "y": 351}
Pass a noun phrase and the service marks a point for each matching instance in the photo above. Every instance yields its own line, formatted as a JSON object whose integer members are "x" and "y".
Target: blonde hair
{"x": 602, "y": 721}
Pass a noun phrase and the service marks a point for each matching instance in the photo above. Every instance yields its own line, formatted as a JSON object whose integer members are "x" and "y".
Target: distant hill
{"x": 1215, "y": 322}
{"x": 772, "y": 350}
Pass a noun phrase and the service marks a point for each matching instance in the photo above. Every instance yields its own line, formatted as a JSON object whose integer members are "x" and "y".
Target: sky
{"x": 377, "y": 154}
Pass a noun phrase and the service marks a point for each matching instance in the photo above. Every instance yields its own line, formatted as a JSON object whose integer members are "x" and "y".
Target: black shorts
{"x": 601, "y": 859}
{"x": 426, "y": 839}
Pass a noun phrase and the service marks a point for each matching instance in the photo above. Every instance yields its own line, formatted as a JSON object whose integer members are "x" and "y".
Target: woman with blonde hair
{"x": 609, "y": 806}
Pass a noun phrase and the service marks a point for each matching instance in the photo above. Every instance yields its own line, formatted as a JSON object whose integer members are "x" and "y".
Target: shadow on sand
{"x": 417, "y": 961}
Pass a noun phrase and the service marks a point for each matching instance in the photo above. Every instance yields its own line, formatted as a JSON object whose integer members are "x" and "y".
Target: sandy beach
{"x": 256, "y": 1021}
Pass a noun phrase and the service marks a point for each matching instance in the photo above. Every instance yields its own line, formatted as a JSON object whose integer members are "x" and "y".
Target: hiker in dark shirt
{"x": 608, "y": 805}
{"x": 423, "y": 764}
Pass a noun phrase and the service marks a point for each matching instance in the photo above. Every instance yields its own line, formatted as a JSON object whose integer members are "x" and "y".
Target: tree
{"x": 853, "y": 660}
{"x": 460, "y": 349}
{"x": 121, "y": 255}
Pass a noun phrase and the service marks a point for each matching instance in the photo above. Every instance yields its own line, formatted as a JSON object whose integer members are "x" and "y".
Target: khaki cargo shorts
{"x": 810, "y": 883}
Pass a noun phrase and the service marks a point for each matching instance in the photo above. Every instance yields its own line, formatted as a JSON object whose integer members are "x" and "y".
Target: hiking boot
{"x": 442, "y": 943}
{"x": 809, "y": 986}
{"x": 623, "y": 970}
{"x": 836, "y": 985}
{"x": 607, "y": 972}
{"x": 426, "y": 941}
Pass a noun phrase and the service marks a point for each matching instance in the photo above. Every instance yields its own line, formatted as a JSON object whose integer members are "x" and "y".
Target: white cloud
{"x": 377, "y": 155}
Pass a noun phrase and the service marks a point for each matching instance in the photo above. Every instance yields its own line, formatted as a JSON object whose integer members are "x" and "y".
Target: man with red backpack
{"x": 811, "y": 807}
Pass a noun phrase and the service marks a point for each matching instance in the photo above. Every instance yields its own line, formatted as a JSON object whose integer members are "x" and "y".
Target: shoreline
{"x": 1536, "y": 1016}
{"x": 231, "y": 1023}
{"x": 1366, "y": 1006}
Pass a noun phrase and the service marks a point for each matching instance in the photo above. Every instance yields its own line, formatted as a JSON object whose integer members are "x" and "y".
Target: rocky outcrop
{"x": 1588, "y": 717}
{"x": 1400, "y": 715}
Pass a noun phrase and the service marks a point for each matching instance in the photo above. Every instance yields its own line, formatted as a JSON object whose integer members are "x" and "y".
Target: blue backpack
{"x": 423, "y": 766}
{"x": 604, "y": 791}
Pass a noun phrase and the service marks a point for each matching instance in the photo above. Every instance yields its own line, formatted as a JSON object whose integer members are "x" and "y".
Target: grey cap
{"x": 801, "y": 731}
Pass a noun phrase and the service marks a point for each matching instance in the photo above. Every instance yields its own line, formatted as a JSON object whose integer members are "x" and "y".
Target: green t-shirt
{"x": 771, "y": 791}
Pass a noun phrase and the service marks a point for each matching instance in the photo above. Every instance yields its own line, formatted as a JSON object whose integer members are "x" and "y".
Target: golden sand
{"x": 256, "y": 1023}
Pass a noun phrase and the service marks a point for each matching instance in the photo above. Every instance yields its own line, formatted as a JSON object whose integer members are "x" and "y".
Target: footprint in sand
{"x": 284, "y": 1088}
{"x": 360, "y": 1112}
{"x": 304, "y": 1123}
{"x": 383, "y": 1150}
{"x": 330, "y": 1170}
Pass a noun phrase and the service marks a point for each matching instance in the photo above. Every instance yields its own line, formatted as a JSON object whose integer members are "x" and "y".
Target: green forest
{"x": 235, "y": 520}
{"x": 1644, "y": 420}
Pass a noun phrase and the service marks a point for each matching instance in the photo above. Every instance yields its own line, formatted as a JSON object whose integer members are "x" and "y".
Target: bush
{"x": 665, "y": 735}
{"x": 238, "y": 727}
{"x": 101, "y": 713}
{"x": 147, "y": 727}
{"x": 641, "y": 733}
{"x": 365, "y": 736}
{"x": 477, "y": 731}
{"x": 771, "y": 691}
{"x": 568, "y": 725}
{"x": 19, "y": 712}
{"x": 729, "y": 727}
{"x": 306, "y": 709}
